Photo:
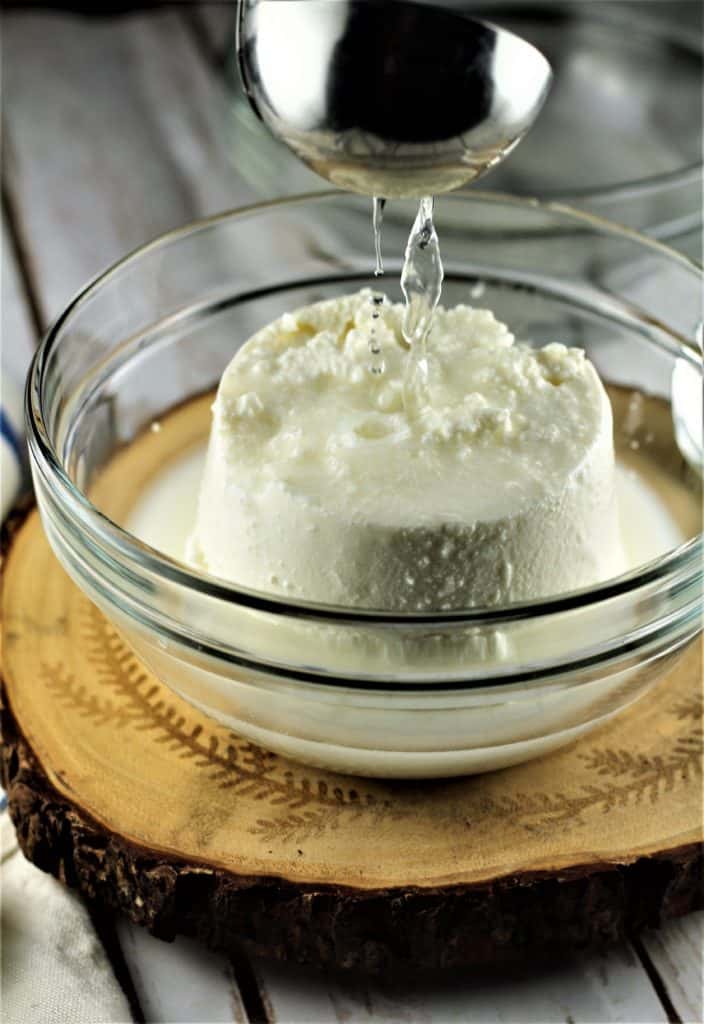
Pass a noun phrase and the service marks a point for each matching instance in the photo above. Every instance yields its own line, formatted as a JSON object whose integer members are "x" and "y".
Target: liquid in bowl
{"x": 657, "y": 513}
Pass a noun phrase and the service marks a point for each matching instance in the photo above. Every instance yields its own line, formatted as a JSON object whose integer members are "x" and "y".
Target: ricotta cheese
{"x": 485, "y": 479}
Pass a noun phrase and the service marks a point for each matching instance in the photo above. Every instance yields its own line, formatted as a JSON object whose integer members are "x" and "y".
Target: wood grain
{"x": 18, "y": 331}
{"x": 590, "y": 988}
{"x": 677, "y": 954}
{"x": 115, "y": 131}
{"x": 180, "y": 982}
{"x": 377, "y": 932}
{"x": 215, "y": 25}
{"x": 209, "y": 843}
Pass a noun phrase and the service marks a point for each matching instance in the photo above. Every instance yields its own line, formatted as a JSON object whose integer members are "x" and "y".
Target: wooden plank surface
{"x": 677, "y": 954}
{"x": 18, "y": 338}
{"x": 609, "y": 988}
{"x": 180, "y": 982}
{"x": 19, "y": 335}
{"x": 115, "y": 132}
{"x": 215, "y": 24}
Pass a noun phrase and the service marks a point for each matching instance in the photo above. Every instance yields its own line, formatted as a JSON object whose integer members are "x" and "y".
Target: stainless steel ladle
{"x": 388, "y": 97}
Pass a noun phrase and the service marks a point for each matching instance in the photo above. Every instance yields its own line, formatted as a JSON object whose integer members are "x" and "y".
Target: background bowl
{"x": 397, "y": 695}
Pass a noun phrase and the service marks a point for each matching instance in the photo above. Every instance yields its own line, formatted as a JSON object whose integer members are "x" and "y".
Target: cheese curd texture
{"x": 492, "y": 482}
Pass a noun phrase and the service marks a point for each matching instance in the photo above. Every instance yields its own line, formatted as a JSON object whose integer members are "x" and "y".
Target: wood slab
{"x": 126, "y": 792}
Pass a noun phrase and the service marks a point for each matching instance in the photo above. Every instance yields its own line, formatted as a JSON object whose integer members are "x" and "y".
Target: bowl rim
{"x": 127, "y": 547}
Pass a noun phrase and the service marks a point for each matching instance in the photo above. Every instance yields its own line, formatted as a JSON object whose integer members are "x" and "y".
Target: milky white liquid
{"x": 164, "y": 515}
{"x": 379, "y": 736}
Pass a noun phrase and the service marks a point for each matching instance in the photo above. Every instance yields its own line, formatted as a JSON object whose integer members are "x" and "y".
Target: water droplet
{"x": 377, "y": 366}
{"x": 477, "y": 290}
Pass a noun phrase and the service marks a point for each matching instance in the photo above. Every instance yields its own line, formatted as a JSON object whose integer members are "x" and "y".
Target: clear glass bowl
{"x": 395, "y": 695}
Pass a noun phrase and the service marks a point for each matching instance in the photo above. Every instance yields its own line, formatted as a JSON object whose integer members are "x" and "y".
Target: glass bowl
{"x": 120, "y": 386}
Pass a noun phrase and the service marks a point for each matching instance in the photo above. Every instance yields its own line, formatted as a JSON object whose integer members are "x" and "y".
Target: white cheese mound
{"x": 322, "y": 484}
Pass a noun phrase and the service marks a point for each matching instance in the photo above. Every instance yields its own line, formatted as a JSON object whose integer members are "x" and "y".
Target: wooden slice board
{"x": 127, "y": 793}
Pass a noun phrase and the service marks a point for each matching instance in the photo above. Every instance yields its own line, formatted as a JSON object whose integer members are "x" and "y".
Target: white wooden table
{"x": 114, "y": 133}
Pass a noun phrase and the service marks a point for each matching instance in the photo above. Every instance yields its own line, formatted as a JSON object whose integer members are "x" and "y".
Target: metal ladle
{"x": 388, "y": 97}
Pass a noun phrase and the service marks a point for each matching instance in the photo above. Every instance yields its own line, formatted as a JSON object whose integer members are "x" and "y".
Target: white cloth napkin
{"x": 54, "y": 967}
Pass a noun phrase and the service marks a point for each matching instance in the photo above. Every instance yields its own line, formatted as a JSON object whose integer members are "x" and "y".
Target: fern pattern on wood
{"x": 75, "y": 696}
{"x": 643, "y": 778}
{"x": 229, "y": 762}
{"x": 692, "y": 708}
{"x": 297, "y": 827}
{"x": 301, "y": 807}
